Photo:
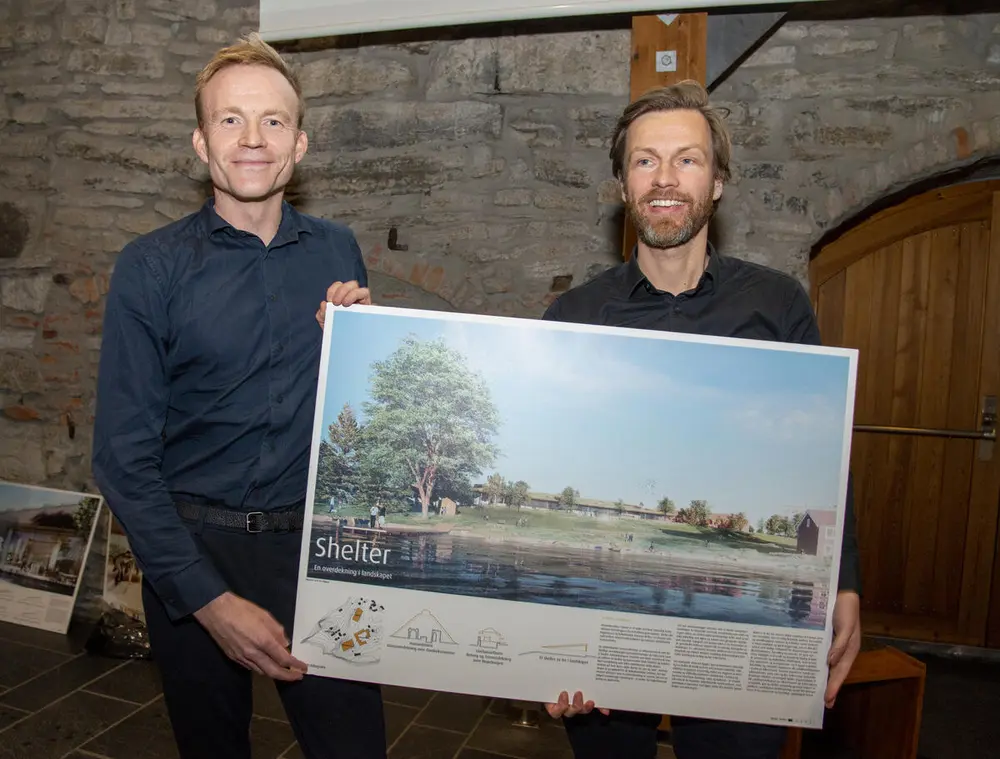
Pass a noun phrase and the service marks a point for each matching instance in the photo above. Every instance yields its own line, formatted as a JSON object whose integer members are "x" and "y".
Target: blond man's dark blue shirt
{"x": 207, "y": 381}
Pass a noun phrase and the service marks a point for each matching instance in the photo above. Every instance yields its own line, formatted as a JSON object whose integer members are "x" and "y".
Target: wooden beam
{"x": 677, "y": 42}
{"x": 686, "y": 34}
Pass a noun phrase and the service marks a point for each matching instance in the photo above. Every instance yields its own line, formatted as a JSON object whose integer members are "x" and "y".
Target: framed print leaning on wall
{"x": 45, "y": 539}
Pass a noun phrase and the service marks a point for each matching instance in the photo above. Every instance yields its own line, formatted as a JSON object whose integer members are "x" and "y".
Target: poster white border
{"x": 743, "y": 706}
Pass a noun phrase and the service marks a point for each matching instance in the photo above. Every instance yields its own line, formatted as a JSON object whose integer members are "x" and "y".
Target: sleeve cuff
{"x": 850, "y": 575}
{"x": 190, "y": 589}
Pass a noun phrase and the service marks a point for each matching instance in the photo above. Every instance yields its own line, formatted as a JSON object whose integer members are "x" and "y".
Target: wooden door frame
{"x": 955, "y": 204}
{"x": 978, "y": 618}
{"x": 992, "y": 615}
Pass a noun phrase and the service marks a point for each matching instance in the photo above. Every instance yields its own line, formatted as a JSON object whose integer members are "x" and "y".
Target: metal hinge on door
{"x": 988, "y": 424}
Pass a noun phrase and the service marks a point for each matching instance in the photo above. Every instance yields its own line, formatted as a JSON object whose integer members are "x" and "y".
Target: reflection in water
{"x": 807, "y": 604}
{"x": 596, "y": 579}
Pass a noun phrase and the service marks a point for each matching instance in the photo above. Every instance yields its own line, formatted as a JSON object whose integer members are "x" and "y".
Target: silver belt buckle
{"x": 250, "y": 516}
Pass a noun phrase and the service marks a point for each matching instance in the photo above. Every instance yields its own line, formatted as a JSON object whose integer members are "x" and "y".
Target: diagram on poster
{"x": 490, "y": 639}
{"x": 45, "y": 539}
{"x": 424, "y": 628}
{"x": 572, "y": 650}
{"x": 351, "y": 632}
{"x": 540, "y": 505}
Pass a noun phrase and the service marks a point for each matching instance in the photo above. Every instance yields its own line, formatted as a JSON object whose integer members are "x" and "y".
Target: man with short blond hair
{"x": 206, "y": 394}
{"x": 671, "y": 152}
{"x": 249, "y": 51}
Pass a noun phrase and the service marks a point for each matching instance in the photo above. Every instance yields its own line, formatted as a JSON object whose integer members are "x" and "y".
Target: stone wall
{"x": 830, "y": 117}
{"x": 486, "y": 155}
{"x": 472, "y": 165}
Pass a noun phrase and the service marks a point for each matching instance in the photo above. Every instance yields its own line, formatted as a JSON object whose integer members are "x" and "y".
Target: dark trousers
{"x": 209, "y": 696}
{"x": 633, "y": 736}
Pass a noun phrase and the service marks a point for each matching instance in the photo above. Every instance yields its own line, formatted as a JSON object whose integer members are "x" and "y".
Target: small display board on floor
{"x": 45, "y": 539}
{"x": 122, "y": 576}
{"x": 513, "y": 508}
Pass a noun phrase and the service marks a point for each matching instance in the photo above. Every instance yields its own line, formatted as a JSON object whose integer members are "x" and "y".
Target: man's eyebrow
{"x": 655, "y": 152}
{"x": 640, "y": 149}
{"x": 237, "y": 110}
{"x": 692, "y": 146}
{"x": 277, "y": 112}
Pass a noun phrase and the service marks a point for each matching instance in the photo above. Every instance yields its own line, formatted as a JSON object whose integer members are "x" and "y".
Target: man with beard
{"x": 670, "y": 152}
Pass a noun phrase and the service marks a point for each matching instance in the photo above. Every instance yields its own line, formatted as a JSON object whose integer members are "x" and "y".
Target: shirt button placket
{"x": 270, "y": 283}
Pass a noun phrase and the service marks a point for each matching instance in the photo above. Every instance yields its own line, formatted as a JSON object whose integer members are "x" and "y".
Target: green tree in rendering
{"x": 339, "y": 456}
{"x": 567, "y": 498}
{"x": 461, "y": 490}
{"x": 738, "y": 522}
{"x": 83, "y": 516}
{"x": 520, "y": 494}
{"x": 666, "y": 506}
{"x": 430, "y": 417}
{"x": 377, "y": 478}
{"x": 494, "y": 489}
{"x": 793, "y": 524}
{"x": 699, "y": 513}
{"x": 777, "y": 525}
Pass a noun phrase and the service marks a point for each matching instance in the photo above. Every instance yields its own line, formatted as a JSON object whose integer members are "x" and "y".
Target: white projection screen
{"x": 283, "y": 20}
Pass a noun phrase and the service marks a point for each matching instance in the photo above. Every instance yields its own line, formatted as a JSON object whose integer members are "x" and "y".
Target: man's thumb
{"x": 836, "y": 651}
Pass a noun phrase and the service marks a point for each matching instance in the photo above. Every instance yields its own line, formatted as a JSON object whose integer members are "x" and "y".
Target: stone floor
{"x": 58, "y": 702}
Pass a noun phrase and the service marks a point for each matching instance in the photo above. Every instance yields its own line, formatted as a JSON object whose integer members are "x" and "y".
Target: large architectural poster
{"x": 514, "y": 508}
{"x": 45, "y": 538}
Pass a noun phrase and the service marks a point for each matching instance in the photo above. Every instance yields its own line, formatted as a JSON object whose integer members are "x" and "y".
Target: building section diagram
{"x": 490, "y": 639}
{"x": 564, "y": 651}
{"x": 424, "y": 628}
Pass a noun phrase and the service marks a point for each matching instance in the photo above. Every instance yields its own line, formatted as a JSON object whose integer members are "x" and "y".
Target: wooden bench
{"x": 878, "y": 710}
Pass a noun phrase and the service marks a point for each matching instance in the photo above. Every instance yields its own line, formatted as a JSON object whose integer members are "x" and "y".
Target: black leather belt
{"x": 251, "y": 521}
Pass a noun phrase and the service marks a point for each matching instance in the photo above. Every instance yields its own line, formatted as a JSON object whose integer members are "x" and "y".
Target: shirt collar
{"x": 289, "y": 229}
{"x": 634, "y": 276}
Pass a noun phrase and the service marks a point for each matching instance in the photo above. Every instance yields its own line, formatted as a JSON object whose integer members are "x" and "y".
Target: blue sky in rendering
{"x": 16, "y": 497}
{"x": 747, "y": 429}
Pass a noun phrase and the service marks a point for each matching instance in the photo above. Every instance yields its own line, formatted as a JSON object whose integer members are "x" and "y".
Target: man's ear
{"x": 301, "y": 145}
{"x": 200, "y": 147}
{"x": 717, "y": 190}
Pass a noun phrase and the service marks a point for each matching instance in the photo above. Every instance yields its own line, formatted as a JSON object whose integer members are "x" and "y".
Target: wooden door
{"x": 916, "y": 289}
